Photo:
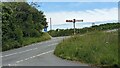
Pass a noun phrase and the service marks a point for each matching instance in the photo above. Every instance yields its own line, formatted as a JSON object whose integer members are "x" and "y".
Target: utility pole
{"x": 50, "y": 24}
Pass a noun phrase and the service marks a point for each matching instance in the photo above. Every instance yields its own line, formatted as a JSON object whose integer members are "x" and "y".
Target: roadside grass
{"x": 25, "y": 41}
{"x": 94, "y": 48}
{"x": 29, "y": 40}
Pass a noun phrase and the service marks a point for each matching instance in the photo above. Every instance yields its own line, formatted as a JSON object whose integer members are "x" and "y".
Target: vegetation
{"x": 0, "y": 27}
{"x": 21, "y": 23}
{"x": 30, "y": 40}
{"x": 67, "y": 32}
{"x": 98, "y": 48}
{"x": 26, "y": 41}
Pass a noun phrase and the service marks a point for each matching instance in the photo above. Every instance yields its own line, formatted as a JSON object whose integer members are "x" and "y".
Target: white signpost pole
{"x": 74, "y": 25}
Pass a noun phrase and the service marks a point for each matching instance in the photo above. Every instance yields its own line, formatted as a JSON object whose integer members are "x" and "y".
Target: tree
{"x": 20, "y": 20}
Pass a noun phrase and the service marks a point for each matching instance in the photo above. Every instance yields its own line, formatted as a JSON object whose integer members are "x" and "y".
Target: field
{"x": 94, "y": 48}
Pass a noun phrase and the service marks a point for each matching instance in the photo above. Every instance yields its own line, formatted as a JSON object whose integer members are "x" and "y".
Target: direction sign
{"x": 78, "y": 20}
{"x": 69, "y": 20}
{"x": 74, "y": 20}
{"x": 45, "y": 29}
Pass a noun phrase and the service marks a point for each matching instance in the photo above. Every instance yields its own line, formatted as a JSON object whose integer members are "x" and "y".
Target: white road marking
{"x": 25, "y": 50}
{"x": 33, "y": 56}
{"x": 26, "y": 58}
{"x": 9, "y": 64}
{"x": 29, "y": 57}
{"x": 19, "y": 52}
{"x": 9, "y": 54}
{"x": 53, "y": 44}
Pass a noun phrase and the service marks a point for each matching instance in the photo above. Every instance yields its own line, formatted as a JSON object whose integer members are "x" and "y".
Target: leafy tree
{"x": 20, "y": 20}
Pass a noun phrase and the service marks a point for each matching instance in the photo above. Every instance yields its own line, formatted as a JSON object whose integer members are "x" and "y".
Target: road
{"x": 37, "y": 54}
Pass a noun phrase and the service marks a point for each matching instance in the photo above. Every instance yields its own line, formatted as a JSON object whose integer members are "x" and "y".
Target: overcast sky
{"x": 73, "y": 0}
{"x": 98, "y": 11}
{"x": 89, "y": 12}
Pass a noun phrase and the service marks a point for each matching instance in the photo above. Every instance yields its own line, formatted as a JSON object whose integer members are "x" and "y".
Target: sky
{"x": 89, "y": 12}
{"x": 73, "y": 0}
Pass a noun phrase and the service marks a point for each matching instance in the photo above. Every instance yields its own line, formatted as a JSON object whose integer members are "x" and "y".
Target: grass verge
{"x": 96, "y": 48}
{"x": 29, "y": 40}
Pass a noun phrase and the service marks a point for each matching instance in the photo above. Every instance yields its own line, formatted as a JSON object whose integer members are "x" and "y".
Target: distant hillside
{"x": 67, "y": 32}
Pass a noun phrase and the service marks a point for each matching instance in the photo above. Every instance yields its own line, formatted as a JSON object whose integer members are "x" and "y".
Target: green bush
{"x": 35, "y": 33}
{"x": 12, "y": 44}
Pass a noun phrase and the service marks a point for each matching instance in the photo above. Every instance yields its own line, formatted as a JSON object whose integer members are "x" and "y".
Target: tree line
{"x": 67, "y": 32}
{"x": 20, "y": 20}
